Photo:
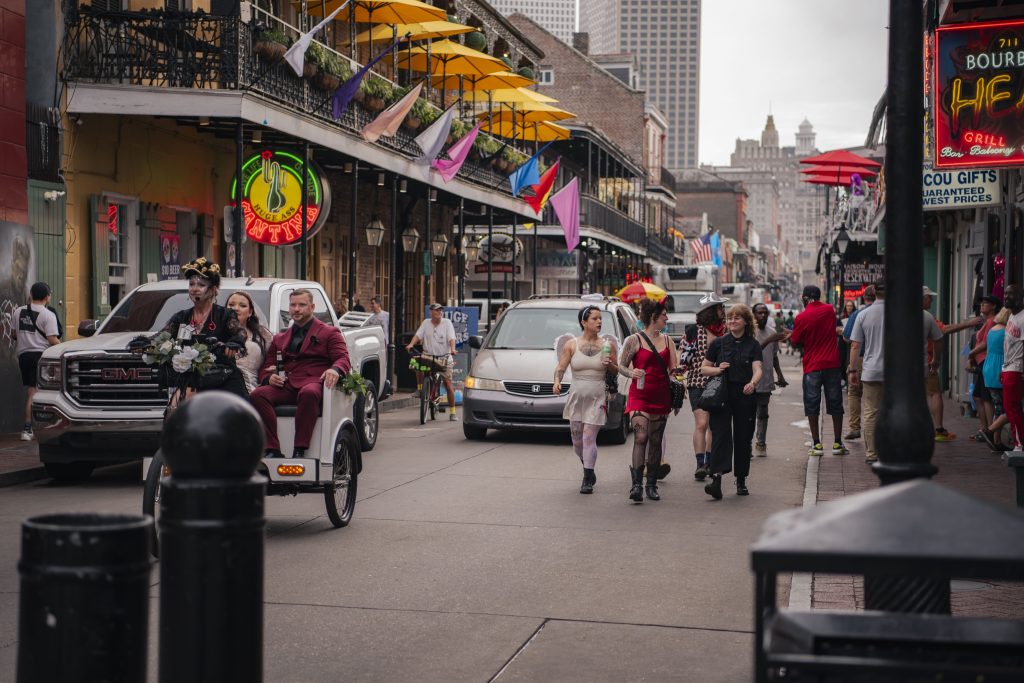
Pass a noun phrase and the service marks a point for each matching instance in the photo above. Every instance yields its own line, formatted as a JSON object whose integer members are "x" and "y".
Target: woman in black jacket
{"x": 207, "y": 319}
{"x": 736, "y": 356}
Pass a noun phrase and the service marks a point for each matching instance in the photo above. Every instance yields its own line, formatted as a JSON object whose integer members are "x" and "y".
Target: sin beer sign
{"x": 272, "y": 198}
{"x": 979, "y": 95}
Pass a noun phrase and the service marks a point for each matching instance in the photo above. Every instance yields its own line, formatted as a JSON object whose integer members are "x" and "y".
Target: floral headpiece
{"x": 204, "y": 269}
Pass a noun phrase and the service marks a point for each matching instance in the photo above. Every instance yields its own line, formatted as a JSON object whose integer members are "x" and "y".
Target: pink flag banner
{"x": 566, "y": 203}
{"x": 391, "y": 118}
{"x": 457, "y": 154}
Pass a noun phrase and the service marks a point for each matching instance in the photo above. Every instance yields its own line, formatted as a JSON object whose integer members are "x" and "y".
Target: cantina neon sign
{"x": 272, "y": 198}
{"x": 979, "y": 95}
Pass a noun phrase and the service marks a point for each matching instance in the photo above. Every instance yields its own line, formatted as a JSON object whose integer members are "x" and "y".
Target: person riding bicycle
{"x": 206, "y": 319}
{"x": 313, "y": 357}
{"x": 437, "y": 334}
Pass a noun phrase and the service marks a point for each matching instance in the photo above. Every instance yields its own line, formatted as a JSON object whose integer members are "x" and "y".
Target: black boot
{"x": 663, "y": 470}
{"x": 702, "y": 467}
{"x": 714, "y": 489}
{"x": 589, "y": 479}
{"x": 652, "y": 482}
{"x": 741, "y": 486}
{"x": 636, "y": 493}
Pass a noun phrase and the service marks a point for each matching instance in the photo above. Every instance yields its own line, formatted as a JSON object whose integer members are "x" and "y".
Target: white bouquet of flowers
{"x": 163, "y": 350}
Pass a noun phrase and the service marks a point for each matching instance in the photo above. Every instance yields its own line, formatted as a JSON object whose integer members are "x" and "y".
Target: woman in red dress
{"x": 649, "y": 406}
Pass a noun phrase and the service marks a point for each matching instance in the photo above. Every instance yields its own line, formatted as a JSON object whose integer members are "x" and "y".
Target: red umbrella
{"x": 841, "y": 157}
{"x": 832, "y": 170}
{"x": 840, "y": 180}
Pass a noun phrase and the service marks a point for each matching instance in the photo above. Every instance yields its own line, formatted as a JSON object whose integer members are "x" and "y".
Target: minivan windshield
{"x": 149, "y": 311}
{"x": 538, "y": 328}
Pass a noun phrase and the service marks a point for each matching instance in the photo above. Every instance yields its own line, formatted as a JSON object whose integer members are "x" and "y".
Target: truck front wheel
{"x": 69, "y": 471}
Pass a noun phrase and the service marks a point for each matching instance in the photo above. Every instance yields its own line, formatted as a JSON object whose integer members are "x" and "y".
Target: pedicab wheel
{"x": 151, "y": 498}
{"x": 368, "y": 418}
{"x": 425, "y": 392}
{"x": 340, "y": 492}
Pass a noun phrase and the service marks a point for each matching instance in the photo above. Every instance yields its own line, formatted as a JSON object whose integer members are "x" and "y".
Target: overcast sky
{"x": 821, "y": 59}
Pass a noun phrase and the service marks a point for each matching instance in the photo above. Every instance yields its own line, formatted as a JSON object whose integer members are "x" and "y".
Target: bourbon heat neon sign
{"x": 272, "y": 198}
{"x": 979, "y": 95}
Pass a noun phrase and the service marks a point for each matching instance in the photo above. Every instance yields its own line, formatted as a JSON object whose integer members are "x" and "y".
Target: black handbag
{"x": 715, "y": 394}
{"x": 215, "y": 377}
{"x": 676, "y": 389}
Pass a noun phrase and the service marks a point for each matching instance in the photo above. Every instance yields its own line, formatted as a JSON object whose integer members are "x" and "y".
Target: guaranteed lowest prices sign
{"x": 959, "y": 189}
{"x": 979, "y": 95}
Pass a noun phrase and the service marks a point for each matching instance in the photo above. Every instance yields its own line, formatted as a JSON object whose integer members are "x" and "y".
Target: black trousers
{"x": 732, "y": 430}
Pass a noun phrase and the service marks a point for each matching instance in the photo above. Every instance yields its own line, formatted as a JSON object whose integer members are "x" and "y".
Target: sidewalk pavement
{"x": 964, "y": 465}
{"x": 19, "y": 460}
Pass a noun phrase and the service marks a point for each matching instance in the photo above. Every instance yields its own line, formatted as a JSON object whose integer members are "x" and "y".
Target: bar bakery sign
{"x": 979, "y": 95}
{"x": 272, "y": 198}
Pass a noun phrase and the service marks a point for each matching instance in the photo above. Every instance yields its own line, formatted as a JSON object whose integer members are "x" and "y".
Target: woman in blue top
{"x": 990, "y": 370}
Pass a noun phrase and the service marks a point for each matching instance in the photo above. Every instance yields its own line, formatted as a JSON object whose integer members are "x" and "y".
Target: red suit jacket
{"x": 323, "y": 348}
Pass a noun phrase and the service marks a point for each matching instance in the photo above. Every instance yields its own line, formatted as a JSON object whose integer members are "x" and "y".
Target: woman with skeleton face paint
{"x": 206, "y": 319}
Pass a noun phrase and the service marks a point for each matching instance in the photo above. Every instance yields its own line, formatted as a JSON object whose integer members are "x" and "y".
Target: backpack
{"x": 28, "y": 321}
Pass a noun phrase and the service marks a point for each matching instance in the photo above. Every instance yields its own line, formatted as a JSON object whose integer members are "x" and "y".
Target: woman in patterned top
{"x": 692, "y": 350}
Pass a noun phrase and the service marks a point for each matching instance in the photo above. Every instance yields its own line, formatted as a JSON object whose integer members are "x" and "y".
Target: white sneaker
{"x": 452, "y": 417}
{"x": 26, "y": 435}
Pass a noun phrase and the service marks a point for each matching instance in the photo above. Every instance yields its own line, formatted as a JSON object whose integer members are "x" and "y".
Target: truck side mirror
{"x": 476, "y": 342}
{"x": 87, "y": 328}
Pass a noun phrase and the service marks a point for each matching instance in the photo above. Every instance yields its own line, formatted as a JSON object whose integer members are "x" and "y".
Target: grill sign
{"x": 127, "y": 374}
{"x": 979, "y": 95}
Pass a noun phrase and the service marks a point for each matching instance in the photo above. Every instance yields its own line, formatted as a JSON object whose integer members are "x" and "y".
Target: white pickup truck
{"x": 99, "y": 404}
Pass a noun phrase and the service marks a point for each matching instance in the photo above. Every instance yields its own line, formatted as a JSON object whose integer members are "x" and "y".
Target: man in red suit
{"x": 315, "y": 357}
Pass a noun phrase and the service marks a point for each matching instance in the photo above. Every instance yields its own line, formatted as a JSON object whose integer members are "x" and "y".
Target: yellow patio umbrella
{"x": 528, "y": 112}
{"x": 510, "y": 95}
{"x": 495, "y": 81}
{"x": 377, "y": 11}
{"x": 418, "y": 31}
{"x": 448, "y": 57}
{"x": 539, "y": 131}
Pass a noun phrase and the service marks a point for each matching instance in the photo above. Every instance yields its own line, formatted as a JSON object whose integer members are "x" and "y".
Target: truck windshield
{"x": 683, "y": 303}
{"x": 149, "y": 311}
{"x": 538, "y": 328}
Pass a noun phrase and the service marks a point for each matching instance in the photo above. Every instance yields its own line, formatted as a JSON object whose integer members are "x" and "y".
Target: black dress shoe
{"x": 271, "y": 453}
{"x": 589, "y": 479}
{"x": 714, "y": 489}
{"x": 299, "y": 453}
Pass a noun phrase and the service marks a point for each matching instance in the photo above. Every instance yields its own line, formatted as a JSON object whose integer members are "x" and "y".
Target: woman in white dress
{"x": 257, "y": 337}
{"x": 586, "y": 407}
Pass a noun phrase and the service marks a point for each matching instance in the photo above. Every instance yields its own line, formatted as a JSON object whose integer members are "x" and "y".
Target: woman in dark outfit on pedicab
{"x": 206, "y": 319}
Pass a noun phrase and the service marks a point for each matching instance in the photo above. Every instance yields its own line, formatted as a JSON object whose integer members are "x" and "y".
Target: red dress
{"x": 655, "y": 397}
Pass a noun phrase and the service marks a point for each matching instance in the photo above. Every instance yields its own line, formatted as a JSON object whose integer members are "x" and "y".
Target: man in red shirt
{"x": 818, "y": 331}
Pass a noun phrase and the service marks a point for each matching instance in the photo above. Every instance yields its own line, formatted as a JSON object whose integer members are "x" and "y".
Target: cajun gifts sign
{"x": 979, "y": 95}
{"x": 272, "y": 198}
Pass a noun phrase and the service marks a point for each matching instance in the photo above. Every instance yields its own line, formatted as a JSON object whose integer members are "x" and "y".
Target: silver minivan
{"x": 510, "y": 381}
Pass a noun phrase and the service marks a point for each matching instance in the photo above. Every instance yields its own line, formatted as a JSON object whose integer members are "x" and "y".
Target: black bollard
{"x": 84, "y": 605}
{"x": 211, "y": 543}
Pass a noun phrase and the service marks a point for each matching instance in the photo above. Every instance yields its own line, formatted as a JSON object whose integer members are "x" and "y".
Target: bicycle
{"x": 433, "y": 369}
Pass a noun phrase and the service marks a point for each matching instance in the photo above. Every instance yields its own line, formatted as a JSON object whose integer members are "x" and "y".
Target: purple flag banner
{"x": 346, "y": 91}
{"x": 457, "y": 154}
{"x": 566, "y": 203}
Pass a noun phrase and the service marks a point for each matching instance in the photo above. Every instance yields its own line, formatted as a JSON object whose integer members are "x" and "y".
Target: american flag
{"x": 702, "y": 248}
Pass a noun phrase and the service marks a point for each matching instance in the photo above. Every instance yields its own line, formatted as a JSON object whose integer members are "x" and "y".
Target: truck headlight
{"x": 480, "y": 383}
{"x": 51, "y": 375}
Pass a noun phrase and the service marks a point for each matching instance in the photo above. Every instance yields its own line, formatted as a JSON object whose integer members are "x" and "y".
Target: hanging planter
{"x": 476, "y": 40}
{"x": 325, "y": 81}
{"x": 270, "y": 45}
{"x": 412, "y": 123}
{"x": 527, "y": 72}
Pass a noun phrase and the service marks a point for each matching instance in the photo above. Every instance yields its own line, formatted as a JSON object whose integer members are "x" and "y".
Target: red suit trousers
{"x": 307, "y": 399}
{"x": 1013, "y": 393}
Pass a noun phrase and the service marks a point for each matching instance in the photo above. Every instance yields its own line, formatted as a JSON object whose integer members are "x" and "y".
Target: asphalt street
{"x": 479, "y": 561}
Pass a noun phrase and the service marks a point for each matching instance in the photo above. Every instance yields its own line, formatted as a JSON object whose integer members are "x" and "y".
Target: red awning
{"x": 841, "y": 157}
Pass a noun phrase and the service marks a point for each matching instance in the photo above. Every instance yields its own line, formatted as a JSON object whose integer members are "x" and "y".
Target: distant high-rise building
{"x": 665, "y": 37}
{"x": 555, "y": 16}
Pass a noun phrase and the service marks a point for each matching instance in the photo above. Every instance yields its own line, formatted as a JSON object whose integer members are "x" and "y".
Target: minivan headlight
{"x": 480, "y": 383}
{"x": 50, "y": 374}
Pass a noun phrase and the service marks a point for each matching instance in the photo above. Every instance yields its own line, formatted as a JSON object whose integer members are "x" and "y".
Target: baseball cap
{"x": 436, "y": 307}
{"x": 927, "y": 291}
{"x": 994, "y": 300}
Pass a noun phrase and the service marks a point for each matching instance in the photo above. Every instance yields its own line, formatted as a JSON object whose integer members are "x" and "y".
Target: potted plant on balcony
{"x": 484, "y": 147}
{"x": 458, "y": 131}
{"x": 315, "y": 54}
{"x": 331, "y": 71}
{"x": 422, "y": 114}
{"x": 378, "y": 92}
{"x": 270, "y": 44}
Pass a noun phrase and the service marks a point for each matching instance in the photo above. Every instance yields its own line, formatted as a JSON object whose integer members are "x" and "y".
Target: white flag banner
{"x": 433, "y": 138}
{"x": 296, "y": 54}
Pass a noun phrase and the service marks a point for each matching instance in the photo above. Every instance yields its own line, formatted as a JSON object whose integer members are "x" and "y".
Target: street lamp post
{"x": 842, "y": 243}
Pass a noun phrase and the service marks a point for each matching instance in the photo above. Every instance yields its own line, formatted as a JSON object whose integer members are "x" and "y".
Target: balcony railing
{"x": 599, "y": 215}
{"x": 199, "y": 51}
{"x": 660, "y": 248}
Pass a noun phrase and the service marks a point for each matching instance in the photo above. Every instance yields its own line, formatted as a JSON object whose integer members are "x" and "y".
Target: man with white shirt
{"x": 437, "y": 334}
{"x": 35, "y": 328}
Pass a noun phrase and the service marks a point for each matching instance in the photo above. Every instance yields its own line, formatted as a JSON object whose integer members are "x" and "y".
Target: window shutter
{"x": 100, "y": 256}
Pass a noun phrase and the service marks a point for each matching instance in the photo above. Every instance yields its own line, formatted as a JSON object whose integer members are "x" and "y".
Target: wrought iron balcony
{"x": 660, "y": 248}
{"x": 157, "y": 49}
{"x": 599, "y": 215}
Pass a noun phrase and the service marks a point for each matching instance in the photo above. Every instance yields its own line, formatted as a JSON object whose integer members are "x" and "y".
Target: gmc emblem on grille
{"x": 127, "y": 374}
{"x": 535, "y": 388}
